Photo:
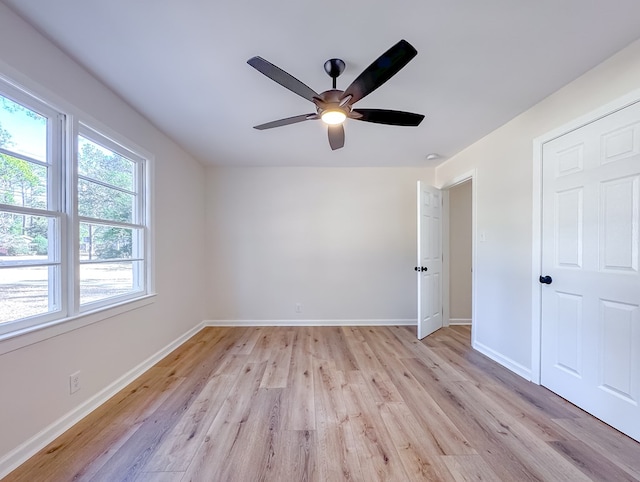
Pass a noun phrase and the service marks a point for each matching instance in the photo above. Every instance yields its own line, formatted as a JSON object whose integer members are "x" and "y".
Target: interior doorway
{"x": 460, "y": 257}
{"x": 464, "y": 189}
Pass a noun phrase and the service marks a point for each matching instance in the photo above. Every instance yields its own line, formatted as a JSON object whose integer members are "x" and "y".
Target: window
{"x": 73, "y": 216}
{"x": 111, "y": 219}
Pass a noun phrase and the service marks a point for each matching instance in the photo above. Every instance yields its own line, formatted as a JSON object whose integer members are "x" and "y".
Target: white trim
{"x": 536, "y": 263}
{"x": 20, "y": 454}
{"x": 17, "y": 339}
{"x": 472, "y": 176}
{"x": 506, "y": 362}
{"x": 459, "y": 321}
{"x": 446, "y": 258}
{"x": 365, "y": 322}
{"x": 536, "y": 253}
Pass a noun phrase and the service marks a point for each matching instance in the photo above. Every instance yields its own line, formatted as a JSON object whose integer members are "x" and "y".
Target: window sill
{"x": 35, "y": 334}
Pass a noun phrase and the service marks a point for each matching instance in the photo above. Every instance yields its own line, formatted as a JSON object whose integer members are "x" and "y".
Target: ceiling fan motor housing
{"x": 331, "y": 100}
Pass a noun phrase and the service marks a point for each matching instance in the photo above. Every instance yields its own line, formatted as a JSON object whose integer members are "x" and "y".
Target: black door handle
{"x": 424, "y": 269}
{"x": 546, "y": 280}
{"x": 420, "y": 268}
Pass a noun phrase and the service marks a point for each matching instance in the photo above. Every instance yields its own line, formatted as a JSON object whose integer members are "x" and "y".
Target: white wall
{"x": 34, "y": 379}
{"x": 460, "y": 253}
{"x": 340, "y": 241}
{"x": 503, "y": 324}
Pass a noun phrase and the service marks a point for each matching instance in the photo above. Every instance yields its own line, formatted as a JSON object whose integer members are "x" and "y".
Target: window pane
{"x": 22, "y": 130}
{"x": 104, "y": 280}
{"x": 100, "y": 202}
{"x": 104, "y": 165}
{"x": 105, "y": 242}
{"x": 26, "y": 237}
{"x": 22, "y": 183}
{"x": 25, "y": 291}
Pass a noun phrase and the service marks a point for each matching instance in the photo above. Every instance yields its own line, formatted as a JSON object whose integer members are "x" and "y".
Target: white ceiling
{"x": 182, "y": 64}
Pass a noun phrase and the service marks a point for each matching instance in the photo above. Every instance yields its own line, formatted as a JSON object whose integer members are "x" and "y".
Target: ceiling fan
{"x": 334, "y": 106}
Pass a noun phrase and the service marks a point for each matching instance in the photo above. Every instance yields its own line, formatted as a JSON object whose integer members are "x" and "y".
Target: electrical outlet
{"x": 298, "y": 308}
{"x": 74, "y": 382}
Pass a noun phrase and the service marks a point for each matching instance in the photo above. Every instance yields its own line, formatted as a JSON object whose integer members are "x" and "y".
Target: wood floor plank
{"x": 532, "y": 453}
{"x": 277, "y": 373}
{"x": 297, "y": 458}
{"x": 299, "y": 401}
{"x": 469, "y": 468}
{"x": 319, "y": 347}
{"x": 247, "y": 340}
{"x": 527, "y": 414}
{"x": 620, "y": 449}
{"x": 263, "y": 348}
{"x": 333, "y": 404}
{"x": 335, "y": 445}
{"x": 364, "y": 357}
{"x": 160, "y": 477}
{"x": 590, "y": 462}
{"x": 213, "y": 454}
{"x": 133, "y": 456}
{"x": 384, "y": 344}
{"x": 256, "y": 450}
{"x": 421, "y": 459}
{"x": 83, "y": 449}
{"x": 436, "y": 424}
{"x": 338, "y": 349}
{"x": 137, "y": 452}
{"x": 182, "y": 360}
{"x": 381, "y": 386}
{"x": 438, "y": 366}
{"x": 480, "y": 369}
{"x": 379, "y": 459}
{"x": 178, "y": 448}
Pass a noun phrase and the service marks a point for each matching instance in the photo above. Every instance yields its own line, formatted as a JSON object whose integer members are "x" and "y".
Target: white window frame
{"x": 138, "y": 222}
{"x": 63, "y": 128}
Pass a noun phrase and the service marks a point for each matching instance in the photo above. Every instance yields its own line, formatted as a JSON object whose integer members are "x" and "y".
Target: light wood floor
{"x": 334, "y": 404}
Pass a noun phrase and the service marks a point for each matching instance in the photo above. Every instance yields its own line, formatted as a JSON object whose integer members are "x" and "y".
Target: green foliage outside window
{"x": 23, "y": 183}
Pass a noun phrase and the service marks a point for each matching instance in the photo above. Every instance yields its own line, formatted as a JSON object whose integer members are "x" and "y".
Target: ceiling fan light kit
{"x": 335, "y": 106}
{"x": 333, "y": 117}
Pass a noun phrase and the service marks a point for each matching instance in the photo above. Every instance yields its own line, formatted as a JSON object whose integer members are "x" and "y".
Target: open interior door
{"x": 429, "y": 265}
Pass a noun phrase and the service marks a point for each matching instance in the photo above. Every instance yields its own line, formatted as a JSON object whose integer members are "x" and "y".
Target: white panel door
{"x": 429, "y": 266}
{"x": 590, "y": 243}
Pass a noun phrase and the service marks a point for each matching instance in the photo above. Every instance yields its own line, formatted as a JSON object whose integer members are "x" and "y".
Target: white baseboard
{"x": 20, "y": 454}
{"x": 506, "y": 362}
{"x": 367, "y": 322}
{"x": 459, "y": 321}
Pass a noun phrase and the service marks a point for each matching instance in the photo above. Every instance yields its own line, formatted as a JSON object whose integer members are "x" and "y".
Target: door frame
{"x": 472, "y": 176}
{"x": 536, "y": 257}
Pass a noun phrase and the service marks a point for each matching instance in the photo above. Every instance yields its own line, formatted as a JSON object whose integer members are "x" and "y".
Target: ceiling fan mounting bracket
{"x": 333, "y": 68}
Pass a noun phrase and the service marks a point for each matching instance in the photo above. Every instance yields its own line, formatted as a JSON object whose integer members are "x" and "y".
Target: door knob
{"x": 420, "y": 268}
{"x": 546, "y": 280}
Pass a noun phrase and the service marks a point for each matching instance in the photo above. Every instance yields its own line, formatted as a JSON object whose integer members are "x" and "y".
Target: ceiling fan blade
{"x": 390, "y": 117}
{"x": 281, "y": 77}
{"x": 385, "y": 67}
{"x": 287, "y": 121}
{"x": 336, "y": 136}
